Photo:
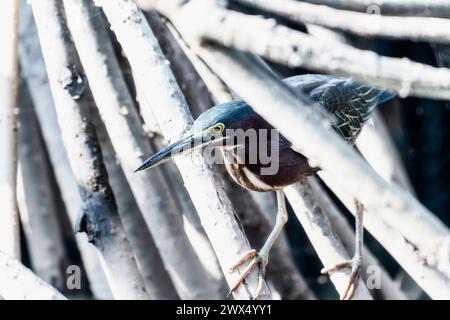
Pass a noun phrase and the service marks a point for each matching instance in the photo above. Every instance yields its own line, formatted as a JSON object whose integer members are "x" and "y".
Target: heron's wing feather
{"x": 350, "y": 101}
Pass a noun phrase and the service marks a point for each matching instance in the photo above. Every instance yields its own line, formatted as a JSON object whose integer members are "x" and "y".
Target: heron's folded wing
{"x": 350, "y": 101}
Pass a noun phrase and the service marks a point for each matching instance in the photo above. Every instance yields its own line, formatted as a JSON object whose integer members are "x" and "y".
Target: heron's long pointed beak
{"x": 183, "y": 146}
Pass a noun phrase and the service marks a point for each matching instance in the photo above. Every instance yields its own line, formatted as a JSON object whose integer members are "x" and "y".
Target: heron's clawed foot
{"x": 356, "y": 266}
{"x": 258, "y": 260}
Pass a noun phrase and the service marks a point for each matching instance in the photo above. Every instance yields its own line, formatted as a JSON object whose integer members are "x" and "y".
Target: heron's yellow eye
{"x": 218, "y": 128}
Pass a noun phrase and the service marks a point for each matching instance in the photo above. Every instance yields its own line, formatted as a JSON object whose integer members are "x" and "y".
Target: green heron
{"x": 349, "y": 101}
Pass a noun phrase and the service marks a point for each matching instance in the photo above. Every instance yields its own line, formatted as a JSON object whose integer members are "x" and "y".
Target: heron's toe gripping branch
{"x": 258, "y": 260}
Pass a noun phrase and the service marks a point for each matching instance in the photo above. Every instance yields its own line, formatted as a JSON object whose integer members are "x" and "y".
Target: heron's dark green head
{"x": 210, "y": 128}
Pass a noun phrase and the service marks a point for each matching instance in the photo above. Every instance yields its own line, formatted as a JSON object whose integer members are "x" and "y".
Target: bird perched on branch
{"x": 258, "y": 158}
